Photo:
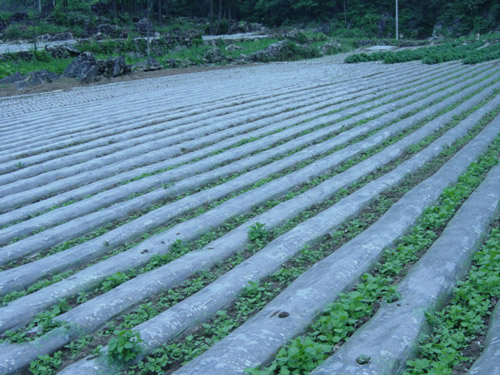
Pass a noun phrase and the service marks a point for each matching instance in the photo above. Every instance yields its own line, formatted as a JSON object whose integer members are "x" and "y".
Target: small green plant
{"x": 125, "y": 346}
{"x": 46, "y": 364}
{"x": 41, "y": 324}
{"x": 258, "y": 232}
{"x": 458, "y": 325}
{"x": 113, "y": 281}
{"x": 342, "y": 317}
{"x": 433, "y": 55}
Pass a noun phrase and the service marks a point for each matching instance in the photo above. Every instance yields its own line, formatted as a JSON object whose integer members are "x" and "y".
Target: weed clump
{"x": 125, "y": 346}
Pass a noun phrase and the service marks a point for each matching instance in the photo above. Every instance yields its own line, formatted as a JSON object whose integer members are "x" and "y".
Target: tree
{"x": 220, "y": 16}
{"x": 211, "y": 16}
{"x": 345, "y": 13}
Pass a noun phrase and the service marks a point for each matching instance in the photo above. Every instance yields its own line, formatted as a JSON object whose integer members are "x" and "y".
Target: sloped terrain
{"x": 283, "y": 218}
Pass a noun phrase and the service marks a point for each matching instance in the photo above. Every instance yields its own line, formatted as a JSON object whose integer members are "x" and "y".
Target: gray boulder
{"x": 150, "y": 64}
{"x": 134, "y": 55}
{"x": 285, "y": 50}
{"x": 331, "y": 48}
{"x": 39, "y": 77}
{"x": 144, "y": 25}
{"x": 213, "y": 56}
{"x": 55, "y": 37}
{"x": 61, "y": 52}
{"x": 16, "y": 77}
{"x": 116, "y": 66}
{"x": 84, "y": 68}
{"x": 233, "y": 47}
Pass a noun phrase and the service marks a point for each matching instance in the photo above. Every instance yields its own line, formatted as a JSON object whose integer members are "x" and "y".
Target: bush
{"x": 5, "y": 16}
{"x": 6, "y": 70}
{"x": 456, "y": 50}
{"x": 17, "y": 31}
{"x": 349, "y": 33}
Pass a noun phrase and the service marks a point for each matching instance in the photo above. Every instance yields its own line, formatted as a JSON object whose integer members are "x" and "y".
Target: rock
{"x": 143, "y": 25}
{"x": 114, "y": 31}
{"x": 331, "y": 48}
{"x": 325, "y": 28}
{"x": 280, "y": 51}
{"x": 19, "y": 17}
{"x": 173, "y": 63}
{"x": 63, "y": 36}
{"x": 72, "y": 50}
{"x": 43, "y": 38}
{"x": 16, "y": 77}
{"x": 149, "y": 65}
{"x": 292, "y": 34}
{"x": 61, "y": 52}
{"x": 134, "y": 55}
{"x": 233, "y": 47}
{"x": 105, "y": 28}
{"x": 116, "y": 66}
{"x": 179, "y": 48}
{"x": 284, "y": 50}
{"x": 177, "y": 63}
{"x": 84, "y": 68}
{"x": 55, "y": 37}
{"x": 241, "y": 59}
{"x": 39, "y": 77}
{"x": 213, "y": 56}
{"x": 246, "y": 27}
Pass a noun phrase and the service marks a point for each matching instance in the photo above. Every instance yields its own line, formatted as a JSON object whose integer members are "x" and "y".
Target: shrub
{"x": 17, "y": 31}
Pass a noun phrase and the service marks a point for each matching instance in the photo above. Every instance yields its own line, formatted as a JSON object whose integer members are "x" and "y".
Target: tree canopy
{"x": 374, "y": 17}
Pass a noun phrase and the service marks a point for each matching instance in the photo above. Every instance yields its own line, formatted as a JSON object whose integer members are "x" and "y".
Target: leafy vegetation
{"x": 46, "y": 364}
{"x": 464, "y": 319}
{"x": 469, "y": 52}
{"x": 12, "y": 64}
{"x": 254, "y": 297}
{"x": 341, "y": 318}
{"x": 345, "y": 19}
{"x": 41, "y": 324}
{"x": 124, "y": 346}
{"x": 487, "y": 53}
{"x": 354, "y": 17}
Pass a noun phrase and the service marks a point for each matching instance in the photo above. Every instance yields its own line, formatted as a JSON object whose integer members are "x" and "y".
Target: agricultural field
{"x": 296, "y": 218}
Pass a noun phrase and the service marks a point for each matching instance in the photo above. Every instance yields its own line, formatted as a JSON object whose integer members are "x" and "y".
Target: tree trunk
{"x": 345, "y": 13}
{"x": 220, "y": 16}
{"x": 35, "y": 47}
{"x": 211, "y": 17}
{"x": 150, "y": 5}
{"x": 115, "y": 14}
{"x": 159, "y": 11}
{"x": 229, "y": 18}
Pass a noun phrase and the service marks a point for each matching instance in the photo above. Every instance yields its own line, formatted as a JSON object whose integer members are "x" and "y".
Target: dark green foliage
{"x": 470, "y": 53}
{"x": 484, "y": 54}
{"x": 342, "y": 317}
{"x": 458, "y": 325}
{"x": 46, "y": 364}
{"x": 125, "y": 346}
{"x": 367, "y": 19}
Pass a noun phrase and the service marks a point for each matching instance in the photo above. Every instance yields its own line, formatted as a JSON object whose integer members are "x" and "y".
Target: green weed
{"x": 124, "y": 346}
